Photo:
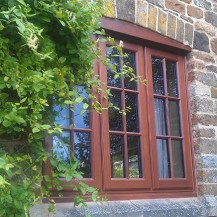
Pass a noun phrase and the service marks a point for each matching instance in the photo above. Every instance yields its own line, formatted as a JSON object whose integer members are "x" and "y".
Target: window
{"x": 147, "y": 150}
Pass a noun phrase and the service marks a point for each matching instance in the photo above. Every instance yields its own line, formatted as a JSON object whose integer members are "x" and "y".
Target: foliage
{"x": 44, "y": 52}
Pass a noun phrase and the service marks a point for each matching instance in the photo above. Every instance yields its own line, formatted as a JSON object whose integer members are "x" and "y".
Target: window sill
{"x": 205, "y": 206}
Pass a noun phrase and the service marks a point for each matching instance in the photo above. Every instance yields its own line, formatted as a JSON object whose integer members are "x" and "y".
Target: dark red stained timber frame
{"x": 150, "y": 186}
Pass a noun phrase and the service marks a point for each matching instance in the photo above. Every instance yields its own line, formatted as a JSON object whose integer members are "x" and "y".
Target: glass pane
{"x": 62, "y": 116}
{"x": 130, "y": 64}
{"x": 178, "y": 164}
{"x": 132, "y": 119}
{"x": 117, "y": 156}
{"x": 113, "y": 56}
{"x": 163, "y": 158}
{"x": 158, "y": 76}
{"x": 115, "y": 117}
{"x": 82, "y": 152}
{"x": 61, "y": 146}
{"x": 81, "y": 120}
{"x": 160, "y": 116}
{"x": 134, "y": 157}
{"x": 174, "y": 118}
{"x": 172, "y": 87}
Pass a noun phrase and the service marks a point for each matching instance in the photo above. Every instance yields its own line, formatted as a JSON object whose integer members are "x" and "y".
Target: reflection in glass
{"x": 132, "y": 119}
{"x": 81, "y": 120}
{"x": 178, "y": 164}
{"x": 160, "y": 116}
{"x": 115, "y": 116}
{"x": 129, "y": 60}
{"x": 174, "y": 118}
{"x": 62, "y": 116}
{"x": 158, "y": 75}
{"x": 163, "y": 158}
{"x": 61, "y": 146}
{"x": 113, "y": 56}
{"x": 82, "y": 152}
{"x": 134, "y": 159}
{"x": 117, "y": 156}
{"x": 172, "y": 87}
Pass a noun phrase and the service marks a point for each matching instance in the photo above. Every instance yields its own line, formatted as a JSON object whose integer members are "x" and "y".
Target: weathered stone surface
{"x": 186, "y": 18}
{"x": 159, "y": 3}
{"x": 199, "y": 104}
{"x": 209, "y": 176}
{"x": 207, "y": 189}
{"x": 180, "y": 30}
{"x": 195, "y": 64}
{"x": 110, "y": 8}
{"x": 189, "y": 33}
{"x": 211, "y": 68}
{"x": 199, "y": 90}
{"x": 201, "y": 56}
{"x": 215, "y": 7}
{"x": 162, "y": 22}
{"x": 203, "y": 4}
{"x": 152, "y": 15}
{"x": 215, "y": 106}
{"x": 205, "y": 146}
{"x": 126, "y": 10}
{"x": 209, "y": 161}
{"x": 205, "y": 119}
{"x": 175, "y": 5}
{"x": 211, "y": 17}
{"x": 194, "y": 12}
{"x": 201, "y": 41}
{"x": 171, "y": 26}
{"x": 213, "y": 43}
{"x": 214, "y": 93}
{"x": 204, "y": 132}
{"x": 206, "y": 27}
{"x": 141, "y": 17}
{"x": 186, "y": 1}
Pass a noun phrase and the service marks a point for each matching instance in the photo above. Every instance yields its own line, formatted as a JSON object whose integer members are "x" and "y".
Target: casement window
{"x": 145, "y": 150}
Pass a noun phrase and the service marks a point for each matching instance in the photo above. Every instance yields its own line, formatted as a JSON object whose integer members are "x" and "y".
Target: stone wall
{"x": 194, "y": 23}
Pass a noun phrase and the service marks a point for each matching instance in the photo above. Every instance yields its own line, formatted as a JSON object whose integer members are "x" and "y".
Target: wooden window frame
{"x": 148, "y": 43}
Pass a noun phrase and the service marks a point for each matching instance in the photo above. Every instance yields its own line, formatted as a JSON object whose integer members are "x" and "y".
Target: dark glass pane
{"x": 178, "y": 164}
{"x": 163, "y": 158}
{"x": 82, "y": 152}
{"x": 113, "y": 56}
{"x": 81, "y": 120}
{"x": 172, "y": 87}
{"x": 174, "y": 118}
{"x": 117, "y": 156}
{"x": 129, "y": 60}
{"x": 158, "y": 75}
{"x": 132, "y": 119}
{"x": 61, "y": 146}
{"x": 62, "y": 116}
{"x": 115, "y": 116}
{"x": 134, "y": 158}
{"x": 160, "y": 116}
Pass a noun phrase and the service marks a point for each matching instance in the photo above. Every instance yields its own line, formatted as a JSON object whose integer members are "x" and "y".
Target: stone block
{"x": 199, "y": 90}
{"x": 171, "y": 26}
{"x": 211, "y": 68}
{"x": 205, "y": 146}
{"x": 201, "y": 56}
{"x": 180, "y": 30}
{"x": 175, "y": 5}
{"x": 186, "y": 1}
{"x": 205, "y": 27}
{"x": 110, "y": 8}
{"x": 188, "y": 34}
{"x": 142, "y": 13}
{"x": 213, "y": 43}
{"x": 200, "y": 104}
{"x": 162, "y": 22}
{"x": 214, "y": 94}
{"x": 186, "y": 18}
{"x": 126, "y": 10}
{"x": 204, "y": 132}
{"x": 209, "y": 161}
{"x": 203, "y": 4}
{"x": 211, "y": 17}
{"x": 201, "y": 41}
{"x": 195, "y": 64}
{"x": 152, "y": 17}
{"x": 207, "y": 189}
{"x": 194, "y": 12}
{"x": 159, "y": 3}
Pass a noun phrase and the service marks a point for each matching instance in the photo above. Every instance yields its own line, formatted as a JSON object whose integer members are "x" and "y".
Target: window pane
{"x": 113, "y": 56}
{"x": 160, "y": 116}
{"x": 130, "y": 61}
{"x": 163, "y": 158}
{"x": 115, "y": 117}
{"x": 81, "y": 120}
{"x": 172, "y": 87}
{"x": 82, "y": 152}
{"x": 62, "y": 116}
{"x": 132, "y": 119}
{"x": 133, "y": 144}
{"x": 117, "y": 156}
{"x": 158, "y": 75}
{"x": 178, "y": 164}
{"x": 61, "y": 146}
{"x": 174, "y": 118}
